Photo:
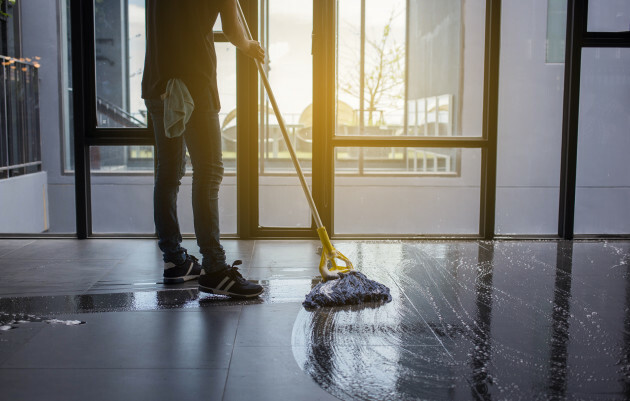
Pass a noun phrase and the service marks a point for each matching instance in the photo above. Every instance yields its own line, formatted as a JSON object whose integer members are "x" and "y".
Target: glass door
{"x": 286, "y": 34}
{"x": 409, "y": 93}
{"x": 121, "y": 156}
{"x": 389, "y": 106}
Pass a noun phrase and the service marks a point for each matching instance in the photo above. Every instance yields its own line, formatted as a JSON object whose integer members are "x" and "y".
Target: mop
{"x": 341, "y": 284}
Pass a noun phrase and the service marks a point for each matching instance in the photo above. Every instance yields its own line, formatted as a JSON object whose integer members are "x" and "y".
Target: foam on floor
{"x": 64, "y": 322}
{"x": 350, "y": 289}
{"x": 9, "y": 321}
{"x": 507, "y": 320}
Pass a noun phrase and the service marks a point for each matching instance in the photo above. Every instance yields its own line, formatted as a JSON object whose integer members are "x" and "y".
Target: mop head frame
{"x": 341, "y": 284}
{"x": 329, "y": 268}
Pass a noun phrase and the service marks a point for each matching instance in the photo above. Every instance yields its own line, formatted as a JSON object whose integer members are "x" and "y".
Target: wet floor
{"x": 508, "y": 320}
{"x": 468, "y": 320}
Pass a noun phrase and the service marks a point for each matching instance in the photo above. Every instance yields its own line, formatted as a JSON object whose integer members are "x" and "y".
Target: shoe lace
{"x": 233, "y": 271}
{"x": 192, "y": 257}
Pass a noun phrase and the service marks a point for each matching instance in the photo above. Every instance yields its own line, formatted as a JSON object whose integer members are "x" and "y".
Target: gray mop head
{"x": 349, "y": 289}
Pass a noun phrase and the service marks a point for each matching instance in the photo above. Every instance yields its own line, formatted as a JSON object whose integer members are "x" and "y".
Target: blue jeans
{"x": 202, "y": 137}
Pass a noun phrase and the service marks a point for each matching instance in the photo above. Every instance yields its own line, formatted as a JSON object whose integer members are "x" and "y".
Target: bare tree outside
{"x": 384, "y": 74}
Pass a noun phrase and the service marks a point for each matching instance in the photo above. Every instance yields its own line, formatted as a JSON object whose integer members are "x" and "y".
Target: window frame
{"x": 87, "y": 134}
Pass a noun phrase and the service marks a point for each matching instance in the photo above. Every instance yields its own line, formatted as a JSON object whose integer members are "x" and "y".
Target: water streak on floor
{"x": 468, "y": 320}
{"x": 185, "y": 296}
{"x": 507, "y": 321}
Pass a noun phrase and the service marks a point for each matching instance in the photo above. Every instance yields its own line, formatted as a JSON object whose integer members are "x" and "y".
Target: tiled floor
{"x": 468, "y": 320}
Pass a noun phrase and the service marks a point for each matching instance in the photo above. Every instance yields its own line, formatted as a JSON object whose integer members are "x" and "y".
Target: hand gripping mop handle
{"x": 329, "y": 253}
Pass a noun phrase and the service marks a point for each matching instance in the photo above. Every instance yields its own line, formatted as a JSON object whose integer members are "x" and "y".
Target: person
{"x": 180, "y": 46}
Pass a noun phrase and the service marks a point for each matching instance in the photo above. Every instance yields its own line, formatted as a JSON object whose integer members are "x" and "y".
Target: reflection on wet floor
{"x": 468, "y": 320}
{"x": 276, "y": 291}
{"x": 479, "y": 321}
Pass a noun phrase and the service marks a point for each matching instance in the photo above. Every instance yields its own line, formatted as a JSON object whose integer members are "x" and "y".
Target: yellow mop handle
{"x": 328, "y": 252}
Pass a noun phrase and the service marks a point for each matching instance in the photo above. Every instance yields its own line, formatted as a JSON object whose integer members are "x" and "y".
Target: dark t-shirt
{"x": 180, "y": 45}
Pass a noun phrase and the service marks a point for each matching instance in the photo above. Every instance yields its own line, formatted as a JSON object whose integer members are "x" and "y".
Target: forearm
{"x": 232, "y": 26}
{"x": 236, "y": 32}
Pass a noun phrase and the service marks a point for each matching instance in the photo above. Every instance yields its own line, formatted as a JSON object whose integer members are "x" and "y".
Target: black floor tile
{"x": 269, "y": 373}
{"x": 50, "y": 276}
{"x": 10, "y": 245}
{"x": 364, "y": 372}
{"x": 267, "y": 325}
{"x": 484, "y": 320}
{"x": 11, "y": 341}
{"x": 515, "y": 320}
{"x": 83, "y": 249}
{"x": 143, "y": 269}
{"x": 166, "y": 339}
{"x": 239, "y": 249}
{"x": 112, "y": 384}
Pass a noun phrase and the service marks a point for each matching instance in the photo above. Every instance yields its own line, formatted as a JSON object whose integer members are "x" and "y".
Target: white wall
{"x": 24, "y": 201}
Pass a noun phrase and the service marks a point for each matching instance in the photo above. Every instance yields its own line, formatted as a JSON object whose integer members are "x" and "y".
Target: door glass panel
{"x": 122, "y": 176}
{"x": 119, "y": 44}
{"x": 407, "y": 191}
{"x": 531, "y": 91}
{"x": 122, "y": 189}
{"x": 226, "y": 80}
{"x": 603, "y": 184}
{"x": 122, "y": 193}
{"x": 422, "y": 71}
{"x": 608, "y": 16}
{"x": 287, "y": 26}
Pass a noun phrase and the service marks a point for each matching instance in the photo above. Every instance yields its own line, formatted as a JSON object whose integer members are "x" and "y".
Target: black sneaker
{"x": 189, "y": 270}
{"x": 229, "y": 281}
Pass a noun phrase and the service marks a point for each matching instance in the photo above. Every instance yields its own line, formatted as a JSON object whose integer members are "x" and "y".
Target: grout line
{"x": 227, "y": 375}
{"x": 98, "y": 280}
{"x": 17, "y": 249}
{"x": 251, "y": 258}
{"x": 20, "y": 347}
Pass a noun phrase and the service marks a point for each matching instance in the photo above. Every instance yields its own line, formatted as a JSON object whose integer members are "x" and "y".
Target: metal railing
{"x": 111, "y": 115}
{"x": 20, "y": 143}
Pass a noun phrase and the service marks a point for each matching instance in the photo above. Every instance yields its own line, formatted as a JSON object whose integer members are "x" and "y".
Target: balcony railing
{"x": 20, "y": 145}
{"x": 111, "y": 115}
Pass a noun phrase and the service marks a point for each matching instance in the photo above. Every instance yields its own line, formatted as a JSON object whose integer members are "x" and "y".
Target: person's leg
{"x": 203, "y": 139}
{"x": 170, "y": 153}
